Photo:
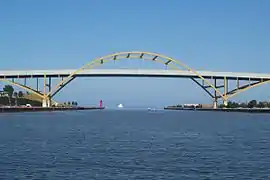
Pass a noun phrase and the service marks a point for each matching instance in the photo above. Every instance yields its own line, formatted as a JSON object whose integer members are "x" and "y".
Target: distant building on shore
{"x": 206, "y": 106}
{"x": 3, "y": 94}
{"x": 191, "y": 105}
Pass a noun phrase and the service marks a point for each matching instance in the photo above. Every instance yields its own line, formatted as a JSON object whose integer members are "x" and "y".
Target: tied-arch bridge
{"x": 215, "y": 84}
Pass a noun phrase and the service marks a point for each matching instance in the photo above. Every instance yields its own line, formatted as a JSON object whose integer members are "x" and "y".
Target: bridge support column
{"x": 225, "y": 102}
{"x": 215, "y": 104}
{"x": 46, "y": 102}
{"x": 50, "y": 84}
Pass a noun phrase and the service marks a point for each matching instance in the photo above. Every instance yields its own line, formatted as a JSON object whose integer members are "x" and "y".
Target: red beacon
{"x": 100, "y": 103}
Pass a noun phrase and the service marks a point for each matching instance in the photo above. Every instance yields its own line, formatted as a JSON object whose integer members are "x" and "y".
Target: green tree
{"x": 229, "y": 105}
{"x": 20, "y": 94}
{"x": 69, "y": 103}
{"x": 9, "y": 90}
{"x": 15, "y": 94}
{"x": 222, "y": 106}
{"x": 232, "y": 104}
{"x": 252, "y": 104}
{"x": 243, "y": 105}
{"x": 260, "y": 105}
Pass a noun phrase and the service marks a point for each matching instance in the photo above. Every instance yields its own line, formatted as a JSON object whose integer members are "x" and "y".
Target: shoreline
{"x": 45, "y": 109}
{"x": 245, "y": 110}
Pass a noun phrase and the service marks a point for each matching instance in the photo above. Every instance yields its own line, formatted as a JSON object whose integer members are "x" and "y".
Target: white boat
{"x": 120, "y": 106}
{"x": 151, "y": 109}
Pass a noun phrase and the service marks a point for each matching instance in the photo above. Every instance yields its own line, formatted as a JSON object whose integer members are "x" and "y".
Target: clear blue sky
{"x": 228, "y": 35}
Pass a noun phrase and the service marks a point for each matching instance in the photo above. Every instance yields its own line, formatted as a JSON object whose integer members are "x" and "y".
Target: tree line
{"x": 15, "y": 98}
{"x": 232, "y": 104}
{"x": 11, "y": 97}
{"x": 250, "y": 104}
{"x": 73, "y": 103}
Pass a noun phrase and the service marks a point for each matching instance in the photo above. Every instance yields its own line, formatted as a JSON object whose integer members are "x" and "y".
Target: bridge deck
{"x": 133, "y": 73}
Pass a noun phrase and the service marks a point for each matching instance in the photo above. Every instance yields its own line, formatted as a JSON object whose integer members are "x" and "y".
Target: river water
{"x": 134, "y": 144}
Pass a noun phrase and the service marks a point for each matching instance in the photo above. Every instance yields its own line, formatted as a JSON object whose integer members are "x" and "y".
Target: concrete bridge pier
{"x": 46, "y": 102}
{"x": 215, "y": 104}
{"x": 225, "y": 102}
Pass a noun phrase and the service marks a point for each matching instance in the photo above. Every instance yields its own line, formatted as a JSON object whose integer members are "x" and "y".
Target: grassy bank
{"x": 4, "y": 101}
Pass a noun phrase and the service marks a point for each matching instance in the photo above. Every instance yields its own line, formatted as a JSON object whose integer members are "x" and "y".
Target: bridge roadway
{"x": 133, "y": 73}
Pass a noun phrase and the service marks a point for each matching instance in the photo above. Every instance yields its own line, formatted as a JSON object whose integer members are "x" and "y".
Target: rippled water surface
{"x": 123, "y": 144}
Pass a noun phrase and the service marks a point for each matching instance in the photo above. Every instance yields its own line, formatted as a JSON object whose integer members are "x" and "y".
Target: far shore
{"x": 247, "y": 110}
{"x": 13, "y": 109}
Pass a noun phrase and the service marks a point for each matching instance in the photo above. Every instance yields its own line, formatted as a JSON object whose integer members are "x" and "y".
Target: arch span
{"x": 147, "y": 56}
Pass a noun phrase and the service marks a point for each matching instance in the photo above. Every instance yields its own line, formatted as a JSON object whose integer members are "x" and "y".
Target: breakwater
{"x": 42, "y": 109}
{"x": 246, "y": 110}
